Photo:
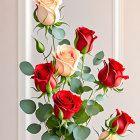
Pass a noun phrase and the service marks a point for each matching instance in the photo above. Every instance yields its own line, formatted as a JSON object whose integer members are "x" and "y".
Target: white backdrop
{"x": 100, "y": 20}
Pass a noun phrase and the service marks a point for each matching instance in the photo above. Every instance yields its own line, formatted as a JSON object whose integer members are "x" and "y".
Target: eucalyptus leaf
{"x": 86, "y": 69}
{"x": 96, "y": 61}
{"x": 34, "y": 128}
{"x": 75, "y": 85}
{"x": 100, "y": 97}
{"x": 81, "y": 132}
{"x": 44, "y": 112}
{"x": 100, "y": 55}
{"x": 47, "y": 136}
{"x": 28, "y": 106}
{"x": 64, "y": 41}
{"x": 93, "y": 108}
{"x": 88, "y": 77}
{"x": 26, "y": 68}
{"x": 58, "y": 33}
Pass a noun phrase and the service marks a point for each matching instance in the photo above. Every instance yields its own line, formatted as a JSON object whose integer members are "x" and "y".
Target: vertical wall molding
{"x": 118, "y": 29}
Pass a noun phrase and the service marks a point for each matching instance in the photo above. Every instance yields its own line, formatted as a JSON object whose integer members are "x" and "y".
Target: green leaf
{"x": 81, "y": 132}
{"x": 58, "y": 33}
{"x": 40, "y": 25}
{"x": 100, "y": 97}
{"x": 26, "y": 68}
{"x": 39, "y": 46}
{"x": 88, "y": 77}
{"x": 71, "y": 128}
{"x": 44, "y": 112}
{"x": 35, "y": 16}
{"x": 87, "y": 88}
{"x": 47, "y": 136}
{"x": 34, "y": 128}
{"x": 52, "y": 122}
{"x": 93, "y": 108}
{"x": 46, "y": 30}
{"x": 100, "y": 55}
{"x": 86, "y": 69}
{"x": 64, "y": 41}
{"x": 28, "y": 106}
{"x": 60, "y": 23}
{"x": 61, "y": 115}
{"x": 75, "y": 85}
{"x": 48, "y": 87}
{"x": 70, "y": 137}
{"x": 112, "y": 120}
{"x": 81, "y": 117}
{"x": 96, "y": 61}
{"x": 78, "y": 73}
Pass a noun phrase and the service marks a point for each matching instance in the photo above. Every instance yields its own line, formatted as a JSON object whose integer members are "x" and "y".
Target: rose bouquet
{"x": 64, "y": 113}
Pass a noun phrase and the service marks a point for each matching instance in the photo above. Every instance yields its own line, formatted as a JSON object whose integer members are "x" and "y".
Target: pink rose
{"x": 47, "y": 11}
{"x": 67, "y": 58}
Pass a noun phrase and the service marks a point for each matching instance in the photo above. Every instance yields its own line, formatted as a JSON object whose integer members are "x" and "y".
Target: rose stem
{"x": 45, "y": 57}
{"x": 83, "y": 60}
{"x": 53, "y": 42}
{"x": 90, "y": 95}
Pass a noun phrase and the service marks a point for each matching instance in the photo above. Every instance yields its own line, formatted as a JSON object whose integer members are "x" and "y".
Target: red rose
{"x": 44, "y": 73}
{"x": 67, "y": 102}
{"x": 112, "y": 74}
{"x": 123, "y": 122}
{"x": 84, "y": 39}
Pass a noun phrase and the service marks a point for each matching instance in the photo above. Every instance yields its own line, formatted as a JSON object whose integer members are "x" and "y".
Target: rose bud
{"x": 67, "y": 58}
{"x": 67, "y": 103}
{"x": 47, "y": 11}
{"x": 44, "y": 75}
{"x": 112, "y": 74}
{"x": 123, "y": 121}
{"x": 84, "y": 39}
{"x": 107, "y": 136}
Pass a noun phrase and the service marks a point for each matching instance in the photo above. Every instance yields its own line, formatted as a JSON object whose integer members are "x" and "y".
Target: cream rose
{"x": 106, "y": 134}
{"x": 67, "y": 58}
{"x": 47, "y": 11}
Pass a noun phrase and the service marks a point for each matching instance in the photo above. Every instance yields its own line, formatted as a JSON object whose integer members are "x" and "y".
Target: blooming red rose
{"x": 44, "y": 73}
{"x": 84, "y": 39}
{"x": 123, "y": 121}
{"x": 112, "y": 74}
{"x": 67, "y": 102}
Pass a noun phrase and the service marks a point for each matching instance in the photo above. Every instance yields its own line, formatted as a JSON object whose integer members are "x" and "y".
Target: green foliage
{"x": 28, "y": 106}
{"x": 100, "y": 97}
{"x": 61, "y": 115}
{"x": 34, "y": 128}
{"x": 75, "y": 85}
{"x": 40, "y": 25}
{"x": 48, "y": 87}
{"x": 39, "y": 46}
{"x": 86, "y": 69}
{"x": 58, "y": 33}
{"x": 88, "y": 77}
{"x": 81, "y": 117}
{"x": 52, "y": 122}
{"x": 60, "y": 23}
{"x": 47, "y": 136}
{"x": 81, "y": 132}
{"x": 26, "y": 68}
{"x": 93, "y": 108}
{"x": 44, "y": 112}
{"x": 98, "y": 58}
{"x": 35, "y": 16}
{"x": 64, "y": 41}
{"x": 70, "y": 137}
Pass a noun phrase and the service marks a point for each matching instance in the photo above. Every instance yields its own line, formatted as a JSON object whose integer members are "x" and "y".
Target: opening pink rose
{"x": 108, "y": 136}
{"x": 67, "y": 58}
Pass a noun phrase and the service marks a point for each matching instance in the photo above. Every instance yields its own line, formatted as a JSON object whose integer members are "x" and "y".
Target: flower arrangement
{"x": 65, "y": 114}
